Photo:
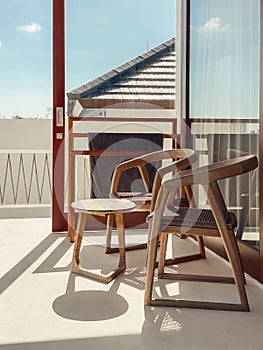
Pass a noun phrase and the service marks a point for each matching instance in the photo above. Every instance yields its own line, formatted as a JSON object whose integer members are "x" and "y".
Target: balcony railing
{"x": 217, "y": 139}
{"x": 25, "y": 175}
{"x": 25, "y": 178}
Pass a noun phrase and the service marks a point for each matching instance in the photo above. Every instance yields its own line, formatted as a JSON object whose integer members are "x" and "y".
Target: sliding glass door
{"x": 222, "y": 59}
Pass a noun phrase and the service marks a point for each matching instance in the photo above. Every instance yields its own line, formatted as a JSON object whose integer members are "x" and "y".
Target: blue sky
{"x": 100, "y": 35}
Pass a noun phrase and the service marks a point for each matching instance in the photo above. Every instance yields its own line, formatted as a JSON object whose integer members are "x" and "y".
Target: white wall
{"x": 25, "y": 134}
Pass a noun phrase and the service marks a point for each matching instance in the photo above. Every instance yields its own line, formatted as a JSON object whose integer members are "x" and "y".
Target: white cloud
{"x": 1, "y": 44}
{"x": 30, "y": 28}
{"x": 214, "y": 25}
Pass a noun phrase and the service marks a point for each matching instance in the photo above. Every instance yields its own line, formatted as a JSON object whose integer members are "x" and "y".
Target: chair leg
{"x": 237, "y": 255}
{"x": 151, "y": 259}
{"x": 109, "y": 249}
{"x": 201, "y": 245}
{"x": 162, "y": 253}
{"x": 236, "y": 264}
{"x": 110, "y": 220}
{"x": 179, "y": 259}
{"x": 230, "y": 245}
{"x": 239, "y": 278}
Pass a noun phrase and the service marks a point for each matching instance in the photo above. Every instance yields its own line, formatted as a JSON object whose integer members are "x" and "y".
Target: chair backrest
{"x": 102, "y": 166}
{"x": 182, "y": 159}
{"x": 207, "y": 176}
{"x": 179, "y": 160}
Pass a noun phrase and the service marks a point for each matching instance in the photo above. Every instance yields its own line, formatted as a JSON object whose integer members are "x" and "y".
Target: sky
{"x": 225, "y": 58}
{"x": 103, "y": 34}
{"x": 100, "y": 35}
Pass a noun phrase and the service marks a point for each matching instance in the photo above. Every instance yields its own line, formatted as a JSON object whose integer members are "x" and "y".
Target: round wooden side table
{"x": 100, "y": 206}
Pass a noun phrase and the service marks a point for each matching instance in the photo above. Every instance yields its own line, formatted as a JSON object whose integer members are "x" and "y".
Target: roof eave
{"x": 91, "y": 89}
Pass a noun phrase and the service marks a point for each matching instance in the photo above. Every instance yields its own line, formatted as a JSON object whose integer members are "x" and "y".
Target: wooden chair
{"x": 215, "y": 222}
{"x": 179, "y": 159}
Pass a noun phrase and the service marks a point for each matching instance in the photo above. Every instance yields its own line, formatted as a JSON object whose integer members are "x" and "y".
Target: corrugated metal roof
{"x": 148, "y": 76}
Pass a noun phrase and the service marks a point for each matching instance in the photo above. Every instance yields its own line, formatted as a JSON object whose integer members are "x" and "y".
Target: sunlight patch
{"x": 169, "y": 324}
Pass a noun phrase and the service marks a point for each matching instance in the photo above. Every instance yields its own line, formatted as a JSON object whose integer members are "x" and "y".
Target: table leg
{"x": 121, "y": 239}
{"x": 110, "y": 220}
{"x": 78, "y": 239}
{"x": 76, "y": 268}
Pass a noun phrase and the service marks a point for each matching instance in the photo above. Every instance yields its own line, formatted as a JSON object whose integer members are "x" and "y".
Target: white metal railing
{"x": 25, "y": 177}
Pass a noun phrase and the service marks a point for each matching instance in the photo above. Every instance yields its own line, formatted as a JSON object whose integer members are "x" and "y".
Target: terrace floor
{"x": 44, "y": 306}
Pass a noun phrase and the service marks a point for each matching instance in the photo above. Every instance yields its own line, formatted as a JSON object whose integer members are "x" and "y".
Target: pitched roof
{"x": 150, "y": 76}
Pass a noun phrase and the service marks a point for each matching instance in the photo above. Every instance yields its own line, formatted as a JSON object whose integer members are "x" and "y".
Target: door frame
{"x": 59, "y": 219}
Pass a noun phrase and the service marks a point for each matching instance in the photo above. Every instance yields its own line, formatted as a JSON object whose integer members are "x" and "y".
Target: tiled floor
{"x": 44, "y": 306}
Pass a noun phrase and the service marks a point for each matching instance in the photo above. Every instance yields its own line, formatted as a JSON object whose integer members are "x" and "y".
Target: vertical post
{"x": 59, "y": 222}
{"x": 182, "y": 74}
{"x": 261, "y": 146}
{"x": 188, "y": 134}
{"x": 187, "y": 64}
{"x": 71, "y": 180}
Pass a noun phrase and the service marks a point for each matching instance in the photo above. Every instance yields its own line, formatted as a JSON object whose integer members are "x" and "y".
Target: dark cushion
{"x": 102, "y": 167}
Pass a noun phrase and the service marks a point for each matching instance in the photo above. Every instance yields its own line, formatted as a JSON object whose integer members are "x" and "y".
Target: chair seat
{"x": 136, "y": 197}
{"x": 201, "y": 218}
{"x": 142, "y": 198}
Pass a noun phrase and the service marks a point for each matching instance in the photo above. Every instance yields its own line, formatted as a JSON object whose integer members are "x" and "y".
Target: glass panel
{"x": 112, "y": 73}
{"x": 25, "y": 59}
{"x": 224, "y": 96}
{"x": 25, "y": 109}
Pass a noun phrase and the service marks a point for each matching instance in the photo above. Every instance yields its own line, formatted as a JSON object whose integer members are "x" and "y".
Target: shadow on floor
{"x": 13, "y": 274}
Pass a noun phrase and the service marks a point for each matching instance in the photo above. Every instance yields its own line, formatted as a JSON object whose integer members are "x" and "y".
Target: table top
{"x": 104, "y": 205}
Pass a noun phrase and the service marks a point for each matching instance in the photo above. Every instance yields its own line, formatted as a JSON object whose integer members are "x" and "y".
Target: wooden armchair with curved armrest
{"x": 215, "y": 222}
{"x": 179, "y": 159}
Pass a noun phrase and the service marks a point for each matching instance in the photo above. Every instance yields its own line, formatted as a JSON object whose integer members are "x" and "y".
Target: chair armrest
{"x": 233, "y": 153}
{"x": 139, "y": 163}
{"x": 177, "y": 165}
{"x": 150, "y": 217}
{"x": 188, "y": 155}
{"x": 157, "y": 156}
{"x": 213, "y": 172}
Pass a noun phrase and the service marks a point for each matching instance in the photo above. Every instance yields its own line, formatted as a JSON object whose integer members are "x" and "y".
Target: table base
{"x": 75, "y": 266}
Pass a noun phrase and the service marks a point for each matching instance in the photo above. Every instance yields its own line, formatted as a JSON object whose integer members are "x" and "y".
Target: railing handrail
{"x": 28, "y": 151}
{"x": 225, "y": 120}
{"x": 122, "y": 119}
